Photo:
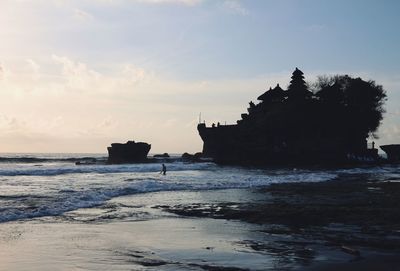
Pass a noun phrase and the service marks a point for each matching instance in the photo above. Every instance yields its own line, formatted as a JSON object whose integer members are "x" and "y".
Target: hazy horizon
{"x": 76, "y": 76}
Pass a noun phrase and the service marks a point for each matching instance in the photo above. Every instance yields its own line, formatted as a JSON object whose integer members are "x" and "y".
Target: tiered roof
{"x": 297, "y": 88}
{"x": 276, "y": 93}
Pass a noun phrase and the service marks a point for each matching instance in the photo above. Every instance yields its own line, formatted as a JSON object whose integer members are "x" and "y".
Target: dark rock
{"x": 130, "y": 152}
{"x": 89, "y": 162}
{"x": 192, "y": 157}
{"x": 392, "y": 151}
{"x": 187, "y": 156}
{"x": 164, "y": 155}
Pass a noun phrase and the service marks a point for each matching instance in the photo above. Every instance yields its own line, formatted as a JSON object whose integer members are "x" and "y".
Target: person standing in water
{"x": 164, "y": 169}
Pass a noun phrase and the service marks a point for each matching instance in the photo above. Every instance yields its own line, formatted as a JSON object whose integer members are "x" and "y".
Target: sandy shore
{"x": 337, "y": 225}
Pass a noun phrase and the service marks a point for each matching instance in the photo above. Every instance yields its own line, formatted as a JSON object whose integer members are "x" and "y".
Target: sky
{"x": 77, "y": 75}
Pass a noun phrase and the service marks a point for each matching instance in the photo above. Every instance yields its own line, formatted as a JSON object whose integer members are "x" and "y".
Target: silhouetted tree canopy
{"x": 359, "y": 103}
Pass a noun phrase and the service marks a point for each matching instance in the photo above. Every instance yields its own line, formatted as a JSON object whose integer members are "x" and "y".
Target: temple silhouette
{"x": 330, "y": 124}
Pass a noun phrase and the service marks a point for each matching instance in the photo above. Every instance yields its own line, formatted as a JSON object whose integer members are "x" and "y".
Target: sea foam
{"x": 57, "y": 186}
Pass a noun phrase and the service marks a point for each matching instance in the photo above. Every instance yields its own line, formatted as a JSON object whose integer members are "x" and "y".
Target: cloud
{"x": 133, "y": 74}
{"x": 5, "y": 72}
{"x": 10, "y": 125}
{"x": 82, "y": 15}
{"x": 66, "y": 75}
{"x": 77, "y": 74}
{"x": 28, "y": 126}
{"x": 2, "y": 72}
{"x": 71, "y": 68}
{"x": 234, "y": 6}
{"x": 389, "y": 133}
{"x": 103, "y": 128}
{"x": 35, "y": 68}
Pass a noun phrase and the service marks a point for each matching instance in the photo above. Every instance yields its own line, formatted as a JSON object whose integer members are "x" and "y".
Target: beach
{"x": 198, "y": 217}
{"x": 130, "y": 233}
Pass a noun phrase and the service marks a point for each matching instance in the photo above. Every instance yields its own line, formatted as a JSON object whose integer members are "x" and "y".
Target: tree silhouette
{"x": 357, "y": 103}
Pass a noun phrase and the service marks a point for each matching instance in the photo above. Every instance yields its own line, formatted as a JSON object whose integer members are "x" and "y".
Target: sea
{"x": 40, "y": 185}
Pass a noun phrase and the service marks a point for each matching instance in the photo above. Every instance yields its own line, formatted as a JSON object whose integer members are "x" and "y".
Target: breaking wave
{"x": 65, "y": 193}
{"x": 50, "y": 170}
{"x": 24, "y": 159}
{"x": 36, "y": 186}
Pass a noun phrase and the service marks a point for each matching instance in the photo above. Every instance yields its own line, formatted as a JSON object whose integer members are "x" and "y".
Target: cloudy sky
{"x": 76, "y": 75}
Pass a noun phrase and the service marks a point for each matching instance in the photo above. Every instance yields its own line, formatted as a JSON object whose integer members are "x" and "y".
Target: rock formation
{"x": 130, "y": 152}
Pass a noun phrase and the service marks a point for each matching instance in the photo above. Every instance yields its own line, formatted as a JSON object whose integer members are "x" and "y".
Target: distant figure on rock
{"x": 163, "y": 170}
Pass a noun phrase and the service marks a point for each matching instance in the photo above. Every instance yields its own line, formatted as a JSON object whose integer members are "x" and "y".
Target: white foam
{"x": 27, "y": 192}
{"x": 59, "y": 169}
{"x": 60, "y": 194}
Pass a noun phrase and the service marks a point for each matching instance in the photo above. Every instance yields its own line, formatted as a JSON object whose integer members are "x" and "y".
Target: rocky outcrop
{"x": 192, "y": 157}
{"x": 129, "y": 152}
{"x": 164, "y": 155}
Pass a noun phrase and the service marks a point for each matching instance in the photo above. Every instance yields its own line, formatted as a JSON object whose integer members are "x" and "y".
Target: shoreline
{"x": 347, "y": 224}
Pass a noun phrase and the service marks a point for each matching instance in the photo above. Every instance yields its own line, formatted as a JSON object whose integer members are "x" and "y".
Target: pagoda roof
{"x": 264, "y": 96}
{"x": 277, "y": 89}
{"x": 271, "y": 93}
{"x": 297, "y": 72}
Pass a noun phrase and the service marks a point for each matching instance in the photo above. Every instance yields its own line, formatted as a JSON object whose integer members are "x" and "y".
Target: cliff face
{"x": 220, "y": 143}
{"x": 130, "y": 152}
{"x": 236, "y": 145}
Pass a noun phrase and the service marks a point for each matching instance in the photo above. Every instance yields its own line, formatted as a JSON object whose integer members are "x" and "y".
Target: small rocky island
{"x": 129, "y": 152}
{"x": 325, "y": 122}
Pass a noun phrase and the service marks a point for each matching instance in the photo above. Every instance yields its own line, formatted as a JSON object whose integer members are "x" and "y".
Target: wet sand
{"x": 336, "y": 225}
{"x": 350, "y": 224}
{"x": 132, "y": 233}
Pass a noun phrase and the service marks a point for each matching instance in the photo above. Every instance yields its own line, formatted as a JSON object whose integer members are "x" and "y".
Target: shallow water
{"x": 130, "y": 233}
{"x": 42, "y": 185}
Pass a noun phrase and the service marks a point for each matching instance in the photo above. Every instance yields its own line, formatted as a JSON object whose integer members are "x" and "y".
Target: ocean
{"x": 37, "y": 185}
{"x": 39, "y": 191}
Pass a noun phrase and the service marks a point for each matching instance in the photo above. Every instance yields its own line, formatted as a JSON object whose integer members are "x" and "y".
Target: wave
{"x": 28, "y": 197}
{"x": 49, "y": 160}
{"x": 100, "y": 169}
{"x": 69, "y": 199}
